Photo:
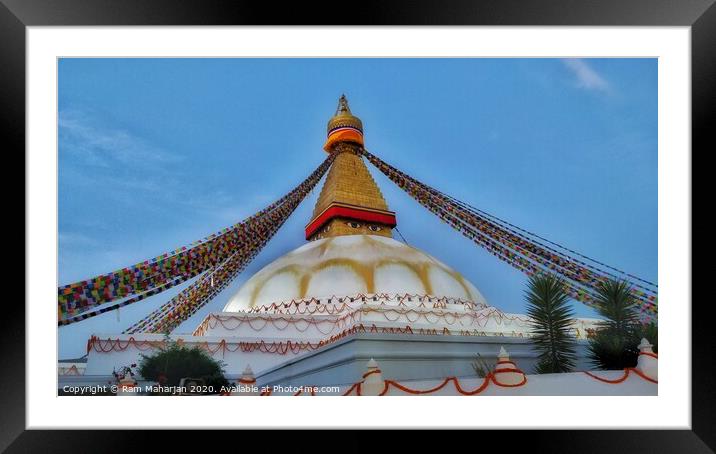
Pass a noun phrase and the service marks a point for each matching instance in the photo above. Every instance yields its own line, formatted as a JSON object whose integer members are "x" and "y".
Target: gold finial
{"x": 344, "y": 118}
{"x": 343, "y": 108}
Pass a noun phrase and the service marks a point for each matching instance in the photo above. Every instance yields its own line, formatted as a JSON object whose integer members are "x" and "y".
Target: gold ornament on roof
{"x": 344, "y": 118}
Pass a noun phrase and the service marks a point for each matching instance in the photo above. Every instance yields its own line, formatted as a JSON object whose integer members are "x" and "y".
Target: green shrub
{"x": 610, "y": 351}
{"x": 481, "y": 367}
{"x": 650, "y": 332}
{"x": 174, "y": 362}
{"x": 615, "y": 343}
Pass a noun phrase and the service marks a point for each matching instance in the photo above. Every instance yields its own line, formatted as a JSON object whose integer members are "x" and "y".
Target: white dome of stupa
{"x": 351, "y": 265}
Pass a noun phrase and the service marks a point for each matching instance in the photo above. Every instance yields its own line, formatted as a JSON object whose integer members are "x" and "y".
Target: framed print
{"x": 390, "y": 217}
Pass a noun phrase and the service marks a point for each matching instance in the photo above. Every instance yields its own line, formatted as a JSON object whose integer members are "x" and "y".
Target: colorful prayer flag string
{"x": 83, "y": 299}
{"x": 514, "y": 246}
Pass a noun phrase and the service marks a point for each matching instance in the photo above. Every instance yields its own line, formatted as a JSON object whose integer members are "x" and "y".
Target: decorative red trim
{"x": 355, "y": 385}
{"x": 374, "y": 371}
{"x": 499, "y": 371}
{"x": 388, "y": 383}
{"x": 359, "y": 214}
{"x": 653, "y": 355}
{"x": 504, "y": 385}
{"x": 639, "y": 373}
{"x": 479, "y": 389}
{"x": 342, "y": 128}
{"x": 475, "y": 391}
{"x": 623, "y": 377}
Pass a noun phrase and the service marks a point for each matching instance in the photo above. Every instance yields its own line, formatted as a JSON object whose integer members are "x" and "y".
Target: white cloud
{"x": 104, "y": 145}
{"x": 587, "y": 77}
{"x": 68, "y": 239}
{"x": 119, "y": 164}
{"x": 99, "y": 161}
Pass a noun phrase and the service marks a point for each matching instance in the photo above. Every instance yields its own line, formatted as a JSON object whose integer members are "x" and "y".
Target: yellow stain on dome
{"x": 303, "y": 285}
{"x": 420, "y": 270}
{"x": 324, "y": 247}
{"x": 295, "y": 269}
{"x": 461, "y": 280}
{"x": 364, "y": 270}
{"x": 380, "y": 244}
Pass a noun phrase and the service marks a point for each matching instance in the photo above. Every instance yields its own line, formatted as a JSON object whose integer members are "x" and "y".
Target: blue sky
{"x": 156, "y": 153}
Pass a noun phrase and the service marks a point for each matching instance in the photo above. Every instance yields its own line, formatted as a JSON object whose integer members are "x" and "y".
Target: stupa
{"x": 350, "y": 295}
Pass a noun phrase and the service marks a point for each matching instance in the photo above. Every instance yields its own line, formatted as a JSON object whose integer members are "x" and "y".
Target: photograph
{"x": 229, "y": 206}
{"x": 324, "y": 226}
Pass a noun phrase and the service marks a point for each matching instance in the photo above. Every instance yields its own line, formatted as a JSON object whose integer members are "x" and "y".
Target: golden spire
{"x": 344, "y": 117}
{"x": 343, "y": 126}
{"x": 350, "y": 202}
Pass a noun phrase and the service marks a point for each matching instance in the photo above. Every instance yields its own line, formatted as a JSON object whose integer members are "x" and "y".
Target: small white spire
{"x": 644, "y": 345}
{"x": 372, "y": 384}
{"x": 246, "y": 383}
{"x": 503, "y": 353}
{"x": 648, "y": 362}
{"x": 506, "y": 372}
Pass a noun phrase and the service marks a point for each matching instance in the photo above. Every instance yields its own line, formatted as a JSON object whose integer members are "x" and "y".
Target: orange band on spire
{"x": 343, "y": 135}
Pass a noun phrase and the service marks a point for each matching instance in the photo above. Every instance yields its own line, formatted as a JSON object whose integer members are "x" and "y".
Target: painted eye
{"x": 353, "y": 224}
{"x": 374, "y": 228}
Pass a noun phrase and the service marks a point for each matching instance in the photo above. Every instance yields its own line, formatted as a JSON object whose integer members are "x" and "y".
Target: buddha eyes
{"x": 356, "y": 225}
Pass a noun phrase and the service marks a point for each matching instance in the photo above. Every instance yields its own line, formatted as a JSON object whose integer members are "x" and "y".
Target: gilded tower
{"x": 350, "y": 202}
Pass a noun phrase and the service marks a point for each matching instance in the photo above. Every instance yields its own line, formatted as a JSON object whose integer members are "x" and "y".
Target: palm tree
{"x": 551, "y": 319}
{"x": 615, "y": 344}
{"x": 616, "y": 303}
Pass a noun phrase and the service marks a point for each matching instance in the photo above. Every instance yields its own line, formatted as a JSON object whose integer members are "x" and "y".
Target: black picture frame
{"x": 700, "y": 15}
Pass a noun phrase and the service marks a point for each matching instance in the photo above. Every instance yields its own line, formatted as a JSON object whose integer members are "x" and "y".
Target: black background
{"x": 16, "y": 15}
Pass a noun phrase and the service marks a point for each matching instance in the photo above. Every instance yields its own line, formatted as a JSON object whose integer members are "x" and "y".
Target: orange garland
{"x": 281, "y": 348}
{"x": 641, "y": 374}
{"x": 498, "y": 371}
{"x": 354, "y": 386}
{"x": 376, "y": 371}
{"x": 245, "y": 319}
{"x": 362, "y": 297}
{"x": 456, "y": 382}
{"x": 388, "y": 383}
{"x": 108, "y": 345}
{"x": 475, "y": 391}
{"x": 211, "y": 321}
{"x": 627, "y": 371}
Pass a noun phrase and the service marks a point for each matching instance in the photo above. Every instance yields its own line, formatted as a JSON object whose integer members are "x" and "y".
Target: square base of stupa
{"x": 403, "y": 357}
